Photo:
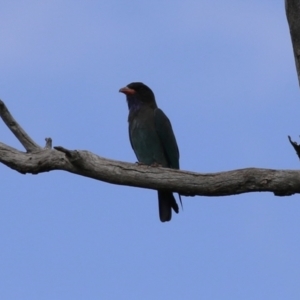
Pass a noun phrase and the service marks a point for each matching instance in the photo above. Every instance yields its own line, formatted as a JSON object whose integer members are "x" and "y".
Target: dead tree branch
{"x": 37, "y": 160}
{"x": 17, "y": 130}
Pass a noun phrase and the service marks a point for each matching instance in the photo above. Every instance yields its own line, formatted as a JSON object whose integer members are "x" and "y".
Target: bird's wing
{"x": 165, "y": 132}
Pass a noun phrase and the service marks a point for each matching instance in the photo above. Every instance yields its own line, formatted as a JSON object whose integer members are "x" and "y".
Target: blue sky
{"x": 224, "y": 73}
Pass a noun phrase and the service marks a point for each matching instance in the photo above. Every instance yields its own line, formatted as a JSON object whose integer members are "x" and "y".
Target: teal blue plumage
{"x": 152, "y": 138}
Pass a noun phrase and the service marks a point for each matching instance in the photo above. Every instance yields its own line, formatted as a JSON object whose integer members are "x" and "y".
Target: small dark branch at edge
{"x": 295, "y": 146}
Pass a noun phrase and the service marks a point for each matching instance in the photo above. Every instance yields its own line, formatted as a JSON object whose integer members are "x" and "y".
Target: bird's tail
{"x": 166, "y": 202}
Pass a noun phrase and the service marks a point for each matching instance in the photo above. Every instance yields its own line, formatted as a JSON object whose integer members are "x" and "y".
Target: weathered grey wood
{"x": 292, "y": 8}
{"x": 85, "y": 163}
{"x": 16, "y": 129}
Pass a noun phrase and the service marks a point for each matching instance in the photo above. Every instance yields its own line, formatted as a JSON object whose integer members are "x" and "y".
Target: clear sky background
{"x": 224, "y": 73}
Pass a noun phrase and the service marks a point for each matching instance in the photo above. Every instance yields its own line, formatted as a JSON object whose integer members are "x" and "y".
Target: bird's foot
{"x": 155, "y": 165}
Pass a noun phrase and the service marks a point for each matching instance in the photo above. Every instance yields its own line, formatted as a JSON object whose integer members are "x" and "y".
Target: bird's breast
{"x": 145, "y": 140}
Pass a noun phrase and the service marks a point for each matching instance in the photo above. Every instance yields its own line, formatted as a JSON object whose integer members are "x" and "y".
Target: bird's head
{"x": 138, "y": 94}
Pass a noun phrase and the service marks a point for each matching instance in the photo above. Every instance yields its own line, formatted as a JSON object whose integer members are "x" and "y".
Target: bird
{"x": 152, "y": 139}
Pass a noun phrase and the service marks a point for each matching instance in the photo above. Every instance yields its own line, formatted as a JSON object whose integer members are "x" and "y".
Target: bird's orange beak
{"x": 127, "y": 91}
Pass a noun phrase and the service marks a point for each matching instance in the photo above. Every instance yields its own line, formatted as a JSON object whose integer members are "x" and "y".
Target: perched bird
{"x": 152, "y": 138}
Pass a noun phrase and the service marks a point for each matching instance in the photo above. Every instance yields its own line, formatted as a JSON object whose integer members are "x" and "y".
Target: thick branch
{"x": 292, "y": 8}
{"x": 85, "y": 163}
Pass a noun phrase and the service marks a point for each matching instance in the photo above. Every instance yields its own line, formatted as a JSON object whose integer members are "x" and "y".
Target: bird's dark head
{"x": 137, "y": 95}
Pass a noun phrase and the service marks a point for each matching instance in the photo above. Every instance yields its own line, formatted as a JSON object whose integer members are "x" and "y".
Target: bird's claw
{"x": 155, "y": 165}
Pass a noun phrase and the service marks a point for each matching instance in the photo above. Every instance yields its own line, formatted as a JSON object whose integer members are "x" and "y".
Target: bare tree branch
{"x": 16, "y": 129}
{"x": 292, "y": 8}
{"x": 85, "y": 163}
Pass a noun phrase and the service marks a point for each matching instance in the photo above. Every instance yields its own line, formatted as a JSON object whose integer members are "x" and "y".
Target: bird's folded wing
{"x": 165, "y": 132}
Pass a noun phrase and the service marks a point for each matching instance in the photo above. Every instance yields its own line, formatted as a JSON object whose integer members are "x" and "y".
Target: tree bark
{"x": 37, "y": 160}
